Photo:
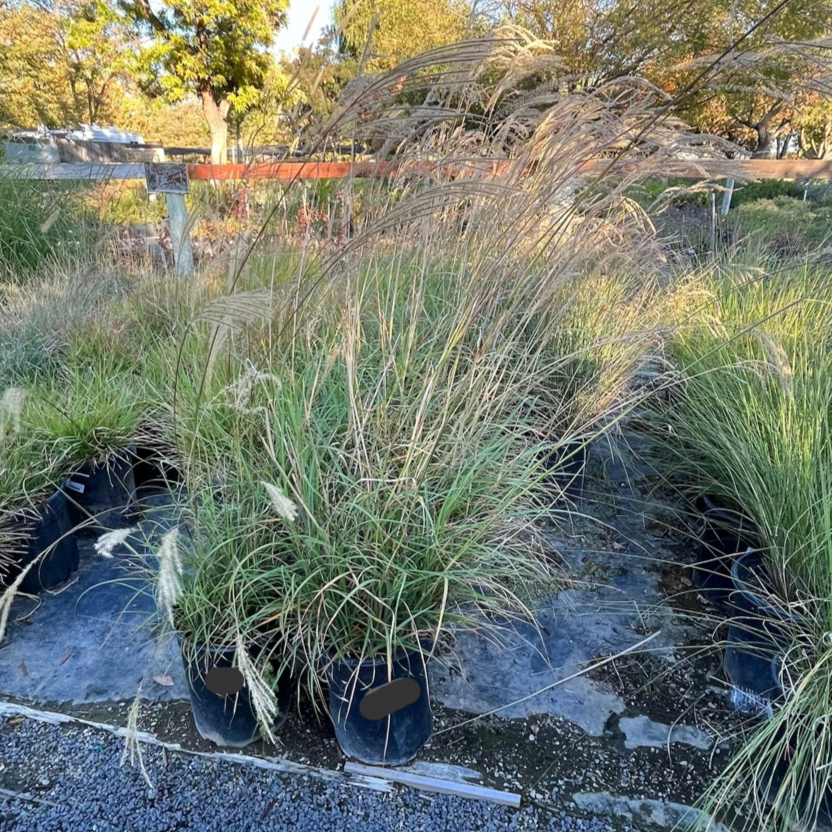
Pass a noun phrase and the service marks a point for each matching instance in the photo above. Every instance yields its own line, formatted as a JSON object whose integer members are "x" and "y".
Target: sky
{"x": 299, "y": 13}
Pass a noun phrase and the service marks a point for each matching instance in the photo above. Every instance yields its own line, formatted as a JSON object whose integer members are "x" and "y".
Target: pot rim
{"x": 125, "y": 455}
{"x": 377, "y": 660}
{"x": 25, "y": 514}
{"x": 720, "y": 518}
{"x": 754, "y": 599}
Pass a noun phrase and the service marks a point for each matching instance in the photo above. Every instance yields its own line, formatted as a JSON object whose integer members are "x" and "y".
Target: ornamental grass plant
{"x": 395, "y": 390}
{"x": 404, "y": 456}
{"x": 750, "y": 422}
{"x": 42, "y": 226}
{"x": 86, "y": 413}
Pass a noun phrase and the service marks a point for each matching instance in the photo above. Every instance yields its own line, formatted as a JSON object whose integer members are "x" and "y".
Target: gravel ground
{"x": 73, "y": 778}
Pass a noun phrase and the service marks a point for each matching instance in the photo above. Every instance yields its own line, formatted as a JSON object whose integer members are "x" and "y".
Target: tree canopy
{"x": 63, "y": 62}
{"x": 217, "y": 49}
{"x": 392, "y": 30}
{"x": 751, "y": 92}
{"x": 758, "y": 72}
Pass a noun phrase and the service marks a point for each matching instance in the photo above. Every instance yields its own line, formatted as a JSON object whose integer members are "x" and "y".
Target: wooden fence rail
{"x": 172, "y": 179}
{"x": 741, "y": 169}
{"x": 705, "y": 169}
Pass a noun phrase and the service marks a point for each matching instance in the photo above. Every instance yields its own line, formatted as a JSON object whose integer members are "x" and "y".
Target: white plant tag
{"x": 75, "y": 486}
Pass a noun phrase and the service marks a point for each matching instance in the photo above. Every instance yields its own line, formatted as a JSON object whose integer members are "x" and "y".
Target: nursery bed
{"x": 593, "y": 745}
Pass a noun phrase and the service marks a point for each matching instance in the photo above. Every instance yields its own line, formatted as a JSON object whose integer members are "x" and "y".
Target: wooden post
{"x": 726, "y": 197}
{"x": 172, "y": 180}
{"x": 180, "y": 237}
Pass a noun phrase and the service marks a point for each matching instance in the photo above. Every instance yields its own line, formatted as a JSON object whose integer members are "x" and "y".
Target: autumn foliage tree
{"x": 757, "y": 85}
{"x": 813, "y": 124}
{"x": 738, "y": 67}
{"x": 62, "y": 62}
{"x": 216, "y": 49}
{"x": 392, "y": 30}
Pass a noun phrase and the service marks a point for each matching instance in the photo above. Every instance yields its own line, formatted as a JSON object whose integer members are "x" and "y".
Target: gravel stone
{"x": 89, "y": 791}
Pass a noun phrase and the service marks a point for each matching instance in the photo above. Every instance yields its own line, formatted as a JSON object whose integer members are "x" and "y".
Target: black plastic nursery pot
{"x": 757, "y": 631}
{"x": 385, "y": 738}
{"x": 47, "y": 539}
{"x": 753, "y": 598}
{"x": 153, "y": 469}
{"x": 816, "y": 809}
{"x": 723, "y": 534}
{"x": 102, "y": 495}
{"x": 566, "y": 468}
{"x": 747, "y": 661}
{"x": 226, "y": 720}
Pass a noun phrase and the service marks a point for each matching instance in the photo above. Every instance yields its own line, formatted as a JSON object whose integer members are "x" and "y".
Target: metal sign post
{"x": 171, "y": 179}
{"x": 713, "y": 223}
{"x": 726, "y": 197}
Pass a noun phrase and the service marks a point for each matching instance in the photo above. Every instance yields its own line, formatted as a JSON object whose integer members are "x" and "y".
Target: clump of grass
{"x": 45, "y": 316}
{"x": 41, "y": 224}
{"x": 752, "y": 424}
{"x": 756, "y": 384}
{"x": 783, "y": 225}
{"x": 396, "y": 422}
{"x": 28, "y": 472}
{"x": 86, "y": 413}
{"x": 405, "y": 513}
{"x": 389, "y": 503}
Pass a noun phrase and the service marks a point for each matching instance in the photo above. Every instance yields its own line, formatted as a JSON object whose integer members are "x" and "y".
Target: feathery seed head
{"x": 284, "y": 507}
{"x": 243, "y": 387}
{"x": 262, "y": 695}
{"x": 168, "y": 584}
{"x": 107, "y": 543}
{"x": 778, "y": 359}
{"x": 11, "y": 406}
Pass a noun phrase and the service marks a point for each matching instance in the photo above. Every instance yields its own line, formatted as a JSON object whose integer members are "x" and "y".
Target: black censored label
{"x": 224, "y": 681}
{"x": 383, "y": 701}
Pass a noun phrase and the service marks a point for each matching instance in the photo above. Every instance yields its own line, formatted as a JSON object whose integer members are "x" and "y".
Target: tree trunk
{"x": 783, "y": 144}
{"x": 764, "y": 137}
{"x": 763, "y": 141}
{"x": 825, "y": 150}
{"x": 216, "y": 117}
